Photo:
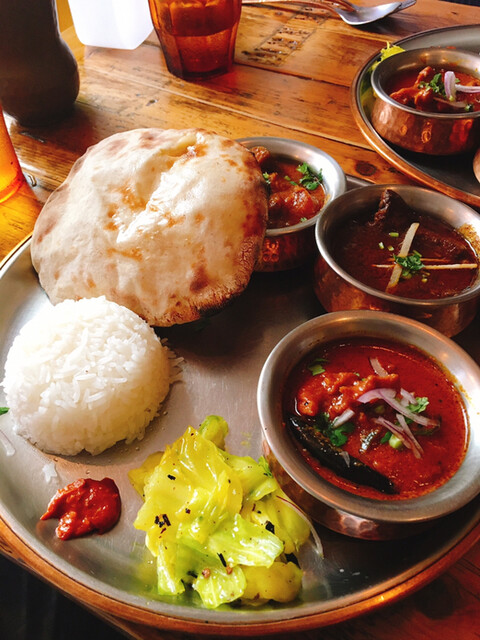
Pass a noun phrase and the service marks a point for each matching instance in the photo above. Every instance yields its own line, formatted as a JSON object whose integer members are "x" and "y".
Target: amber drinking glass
{"x": 197, "y": 36}
{"x": 11, "y": 176}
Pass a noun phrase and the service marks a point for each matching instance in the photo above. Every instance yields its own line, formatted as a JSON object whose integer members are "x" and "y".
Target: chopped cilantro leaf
{"x": 418, "y": 406}
{"x": 317, "y": 366}
{"x": 435, "y": 84}
{"x": 410, "y": 264}
{"x": 339, "y": 435}
{"x": 311, "y": 179}
{"x": 386, "y": 437}
{"x": 3, "y": 410}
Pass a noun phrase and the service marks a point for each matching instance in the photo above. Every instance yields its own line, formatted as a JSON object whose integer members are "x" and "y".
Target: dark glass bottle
{"x": 38, "y": 72}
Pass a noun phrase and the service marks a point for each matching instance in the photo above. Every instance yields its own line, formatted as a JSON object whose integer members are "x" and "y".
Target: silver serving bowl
{"x": 337, "y": 290}
{"x": 289, "y": 247}
{"x": 436, "y": 134}
{"x": 335, "y": 508}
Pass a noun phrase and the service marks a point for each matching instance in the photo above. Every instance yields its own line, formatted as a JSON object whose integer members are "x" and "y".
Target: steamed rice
{"x": 84, "y": 375}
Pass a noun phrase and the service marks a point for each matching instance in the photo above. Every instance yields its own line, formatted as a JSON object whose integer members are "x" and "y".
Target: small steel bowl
{"x": 289, "y": 247}
{"x": 336, "y": 508}
{"x": 338, "y": 290}
{"x": 438, "y": 134}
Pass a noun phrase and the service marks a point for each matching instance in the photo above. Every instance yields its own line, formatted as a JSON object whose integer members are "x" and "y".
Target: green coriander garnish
{"x": 3, "y": 410}
{"x": 435, "y": 84}
{"x": 317, "y": 366}
{"x": 311, "y": 179}
{"x": 288, "y": 179}
{"x": 339, "y": 435}
{"x": 410, "y": 264}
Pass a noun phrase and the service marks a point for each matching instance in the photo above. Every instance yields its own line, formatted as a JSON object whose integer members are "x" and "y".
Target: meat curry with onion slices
{"x": 437, "y": 90}
{"x": 378, "y": 419}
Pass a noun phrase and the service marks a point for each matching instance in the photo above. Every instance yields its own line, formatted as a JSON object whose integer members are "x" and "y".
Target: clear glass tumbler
{"x": 197, "y": 36}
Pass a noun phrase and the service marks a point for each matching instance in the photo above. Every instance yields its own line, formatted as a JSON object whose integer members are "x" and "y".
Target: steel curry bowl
{"x": 335, "y": 507}
{"x": 338, "y": 290}
{"x": 438, "y": 134}
{"x": 291, "y": 246}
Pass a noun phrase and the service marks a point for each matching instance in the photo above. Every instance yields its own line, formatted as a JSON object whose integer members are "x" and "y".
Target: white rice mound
{"x": 84, "y": 375}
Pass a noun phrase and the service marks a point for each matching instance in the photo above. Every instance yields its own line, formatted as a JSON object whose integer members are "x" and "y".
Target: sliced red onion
{"x": 377, "y": 367}
{"x": 449, "y": 82}
{"x": 457, "y": 104}
{"x": 343, "y": 417}
{"x": 395, "y": 429}
{"x": 386, "y": 395}
{"x": 376, "y": 394}
{"x": 417, "y": 449}
{"x": 346, "y": 456}
{"x": 306, "y": 519}
{"x": 465, "y": 88}
{"x": 408, "y": 397}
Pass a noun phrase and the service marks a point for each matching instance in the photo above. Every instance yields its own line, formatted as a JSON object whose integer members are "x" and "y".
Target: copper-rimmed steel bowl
{"x": 338, "y": 290}
{"x": 437, "y": 134}
{"x": 336, "y": 508}
{"x": 289, "y": 247}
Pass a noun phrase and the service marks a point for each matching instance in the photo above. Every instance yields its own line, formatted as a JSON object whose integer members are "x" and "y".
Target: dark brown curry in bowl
{"x": 402, "y": 249}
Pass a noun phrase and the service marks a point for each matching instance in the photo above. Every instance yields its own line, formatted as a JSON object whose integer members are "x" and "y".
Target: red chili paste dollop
{"x": 330, "y": 382}
{"x": 85, "y": 506}
{"x": 289, "y": 202}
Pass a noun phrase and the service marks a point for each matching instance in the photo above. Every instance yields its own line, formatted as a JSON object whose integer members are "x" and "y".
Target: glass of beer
{"x": 197, "y": 36}
{"x": 11, "y": 176}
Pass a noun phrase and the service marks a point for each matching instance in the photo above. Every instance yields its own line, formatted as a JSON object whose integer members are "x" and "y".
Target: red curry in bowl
{"x": 436, "y": 90}
{"x": 403, "y": 252}
{"x": 375, "y": 418}
{"x": 296, "y": 193}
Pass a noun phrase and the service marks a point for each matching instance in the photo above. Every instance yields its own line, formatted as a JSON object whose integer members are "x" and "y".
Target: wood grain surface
{"x": 292, "y": 78}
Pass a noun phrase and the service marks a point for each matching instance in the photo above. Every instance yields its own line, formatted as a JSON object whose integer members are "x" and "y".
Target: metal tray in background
{"x": 222, "y": 361}
{"x": 452, "y": 175}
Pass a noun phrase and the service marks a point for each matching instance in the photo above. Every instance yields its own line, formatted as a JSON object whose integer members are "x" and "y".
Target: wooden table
{"x": 292, "y": 79}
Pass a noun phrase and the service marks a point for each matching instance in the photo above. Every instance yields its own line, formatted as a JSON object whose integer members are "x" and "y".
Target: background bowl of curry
{"x": 287, "y": 247}
{"x": 338, "y": 509}
{"x": 338, "y": 289}
{"x": 438, "y": 134}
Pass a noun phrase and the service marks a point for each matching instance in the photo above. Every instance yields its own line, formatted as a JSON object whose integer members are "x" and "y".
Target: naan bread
{"x": 168, "y": 223}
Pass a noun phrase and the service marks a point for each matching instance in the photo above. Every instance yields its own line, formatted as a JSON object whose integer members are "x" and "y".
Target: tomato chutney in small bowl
{"x": 402, "y": 249}
{"x": 370, "y": 422}
{"x": 301, "y": 180}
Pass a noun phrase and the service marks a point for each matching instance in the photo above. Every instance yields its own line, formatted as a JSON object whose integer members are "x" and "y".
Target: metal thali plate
{"x": 452, "y": 175}
{"x": 223, "y": 357}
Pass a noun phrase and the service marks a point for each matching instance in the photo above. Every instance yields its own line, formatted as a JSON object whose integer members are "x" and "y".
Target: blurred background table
{"x": 292, "y": 78}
